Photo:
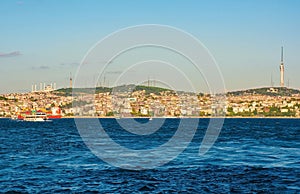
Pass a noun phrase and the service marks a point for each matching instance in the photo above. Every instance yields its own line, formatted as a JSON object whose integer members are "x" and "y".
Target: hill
{"x": 269, "y": 91}
{"x": 123, "y": 88}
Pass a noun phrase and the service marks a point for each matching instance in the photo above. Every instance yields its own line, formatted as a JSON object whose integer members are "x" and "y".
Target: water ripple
{"x": 250, "y": 156}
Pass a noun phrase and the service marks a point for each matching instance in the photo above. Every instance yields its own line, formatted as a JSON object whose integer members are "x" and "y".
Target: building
{"x": 43, "y": 87}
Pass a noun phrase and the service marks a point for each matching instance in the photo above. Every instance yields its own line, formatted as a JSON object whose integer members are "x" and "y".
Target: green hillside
{"x": 123, "y": 88}
{"x": 269, "y": 91}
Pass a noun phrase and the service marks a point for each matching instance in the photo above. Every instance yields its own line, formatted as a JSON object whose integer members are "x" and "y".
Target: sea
{"x": 259, "y": 155}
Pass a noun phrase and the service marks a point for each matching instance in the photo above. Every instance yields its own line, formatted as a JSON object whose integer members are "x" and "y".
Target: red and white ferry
{"x": 55, "y": 113}
{"x": 38, "y": 115}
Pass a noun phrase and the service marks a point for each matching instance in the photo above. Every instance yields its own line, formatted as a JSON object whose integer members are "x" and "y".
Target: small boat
{"x": 14, "y": 117}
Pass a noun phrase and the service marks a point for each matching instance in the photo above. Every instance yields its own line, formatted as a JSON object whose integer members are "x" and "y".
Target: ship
{"x": 39, "y": 115}
{"x": 55, "y": 113}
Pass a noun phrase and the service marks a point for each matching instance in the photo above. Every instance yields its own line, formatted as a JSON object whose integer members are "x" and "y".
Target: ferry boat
{"x": 38, "y": 117}
{"x": 55, "y": 113}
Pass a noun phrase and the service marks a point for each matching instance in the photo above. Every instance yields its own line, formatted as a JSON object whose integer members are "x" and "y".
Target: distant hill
{"x": 69, "y": 91}
{"x": 151, "y": 89}
{"x": 123, "y": 88}
{"x": 269, "y": 91}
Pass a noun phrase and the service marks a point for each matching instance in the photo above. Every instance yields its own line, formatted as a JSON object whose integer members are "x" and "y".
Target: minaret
{"x": 71, "y": 84}
{"x": 281, "y": 70}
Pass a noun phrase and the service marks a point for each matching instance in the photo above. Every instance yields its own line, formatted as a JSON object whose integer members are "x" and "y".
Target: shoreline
{"x": 190, "y": 117}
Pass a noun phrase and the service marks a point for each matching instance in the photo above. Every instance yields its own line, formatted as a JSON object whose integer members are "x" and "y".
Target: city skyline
{"x": 45, "y": 41}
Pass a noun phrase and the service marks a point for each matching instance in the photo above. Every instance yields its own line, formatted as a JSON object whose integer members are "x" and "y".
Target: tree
{"x": 255, "y": 112}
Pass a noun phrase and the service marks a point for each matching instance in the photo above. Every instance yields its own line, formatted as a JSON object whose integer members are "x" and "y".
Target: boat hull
{"x": 35, "y": 119}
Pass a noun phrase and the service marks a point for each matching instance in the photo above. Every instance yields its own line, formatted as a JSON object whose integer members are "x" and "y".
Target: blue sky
{"x": 43, "y": 41}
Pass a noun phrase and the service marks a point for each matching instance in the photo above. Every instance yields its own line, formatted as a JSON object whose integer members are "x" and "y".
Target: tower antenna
{"x": 282, "y": 54}
{"x": 281, "y": 69}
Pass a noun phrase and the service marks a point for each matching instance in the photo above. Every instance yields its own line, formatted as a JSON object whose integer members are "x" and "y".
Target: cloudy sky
{"x": 43, "y": 41}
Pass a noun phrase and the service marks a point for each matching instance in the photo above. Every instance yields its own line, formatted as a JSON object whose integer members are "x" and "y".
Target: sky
{"x": 46, "y": 40}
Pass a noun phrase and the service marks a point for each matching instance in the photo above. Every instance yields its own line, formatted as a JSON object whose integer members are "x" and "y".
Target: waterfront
{"x": 250, "y": 155}
{"x": 151, "y": 102}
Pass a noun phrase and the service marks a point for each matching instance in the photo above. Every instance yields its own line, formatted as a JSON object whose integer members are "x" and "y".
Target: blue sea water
{"x": 249, "y": 156}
